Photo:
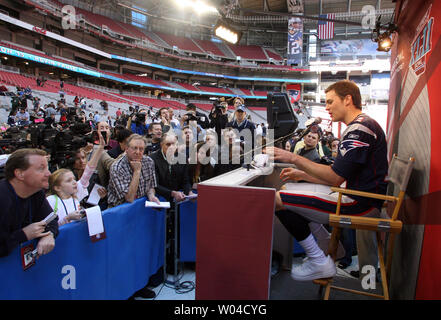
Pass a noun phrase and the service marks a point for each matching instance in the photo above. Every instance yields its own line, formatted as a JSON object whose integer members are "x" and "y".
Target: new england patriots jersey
{"x": 295, "y": 43}
{"x": 362, "y": 159}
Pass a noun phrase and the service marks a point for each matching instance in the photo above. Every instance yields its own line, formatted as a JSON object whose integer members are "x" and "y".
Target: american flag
{"x": 326, "y": 28}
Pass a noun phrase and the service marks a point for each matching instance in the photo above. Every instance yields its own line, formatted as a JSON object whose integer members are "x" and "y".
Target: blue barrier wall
{"x": 113, "y": 268}
{"x": 187, "y": 231}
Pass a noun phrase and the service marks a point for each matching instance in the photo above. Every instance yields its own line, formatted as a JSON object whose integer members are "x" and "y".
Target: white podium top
{"x": 238, "y": 177}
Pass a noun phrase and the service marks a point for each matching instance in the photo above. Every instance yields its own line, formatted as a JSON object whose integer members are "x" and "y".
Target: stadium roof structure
{"x": 259, "y": 13}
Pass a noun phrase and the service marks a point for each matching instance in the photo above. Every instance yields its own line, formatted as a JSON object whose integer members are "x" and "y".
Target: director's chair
{"x": 399, "y": 174}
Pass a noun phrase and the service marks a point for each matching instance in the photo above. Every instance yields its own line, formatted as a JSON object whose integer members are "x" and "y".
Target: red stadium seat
{"x": 273, "y": 55}
{"x": 249, "y": 52}
{"x": 210, "y": 47}
{"x": 185, "y": 44}
{"x": 213, "y": 89}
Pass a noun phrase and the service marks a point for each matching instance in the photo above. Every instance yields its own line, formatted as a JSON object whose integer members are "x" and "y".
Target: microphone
{"x": 310, "y": 123}
{"x": 313, "y": 121}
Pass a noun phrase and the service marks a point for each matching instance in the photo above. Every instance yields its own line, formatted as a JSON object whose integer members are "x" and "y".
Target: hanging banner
{"x": 338, "y": 48}
{"x": 295, "y": 41}
{"x": 294, "y": 92}
{"x": 295, "y": 33}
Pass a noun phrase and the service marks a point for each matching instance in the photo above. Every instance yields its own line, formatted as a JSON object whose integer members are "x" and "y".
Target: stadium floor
{"x": 282, "y": 286}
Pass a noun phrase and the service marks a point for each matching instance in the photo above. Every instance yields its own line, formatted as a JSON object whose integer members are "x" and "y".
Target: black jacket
{"x": 175, "y": 178}
{"x": 115, "y": 152}
{"x": 205, "y": 172}
{"x": 218, "y": 122}
{"x": 17, "y": 213}
{"x": 203, "y": 120}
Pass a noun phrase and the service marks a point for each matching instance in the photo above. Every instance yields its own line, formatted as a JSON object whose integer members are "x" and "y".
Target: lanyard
{"x": 65, "y": 210}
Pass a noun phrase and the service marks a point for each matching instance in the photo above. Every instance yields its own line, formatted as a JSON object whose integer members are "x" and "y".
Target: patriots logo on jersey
{"x": 348, "y": 145}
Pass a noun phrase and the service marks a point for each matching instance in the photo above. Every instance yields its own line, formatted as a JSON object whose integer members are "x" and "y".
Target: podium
{"x": 237, "y": 231}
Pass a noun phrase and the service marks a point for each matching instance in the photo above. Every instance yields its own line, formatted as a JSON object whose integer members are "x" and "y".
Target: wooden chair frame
{"x": 392, "y": 226}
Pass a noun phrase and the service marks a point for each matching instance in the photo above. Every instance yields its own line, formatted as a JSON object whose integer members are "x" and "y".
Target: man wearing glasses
{"x": 171, "y": 177}
{"x": 133, "y": 175}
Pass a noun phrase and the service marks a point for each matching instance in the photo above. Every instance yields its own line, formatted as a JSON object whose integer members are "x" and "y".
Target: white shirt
{"x": 259, "y": 130}
{"x": 64, "y": 207}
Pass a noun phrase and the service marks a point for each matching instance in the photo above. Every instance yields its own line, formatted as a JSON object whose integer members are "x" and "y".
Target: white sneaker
{"x": 310, "y": 270}
{"x": 324, "y": 245}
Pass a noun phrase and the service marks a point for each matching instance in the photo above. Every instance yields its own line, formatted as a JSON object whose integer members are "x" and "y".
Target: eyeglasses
{"x": 137, "y": 148}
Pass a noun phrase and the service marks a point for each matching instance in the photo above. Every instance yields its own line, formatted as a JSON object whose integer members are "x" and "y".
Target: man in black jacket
{"x": 24, "y": 205}
{"x": 202, "y": 119}
{"x": 219, "y": 118}
{"x": 171, "y": 177}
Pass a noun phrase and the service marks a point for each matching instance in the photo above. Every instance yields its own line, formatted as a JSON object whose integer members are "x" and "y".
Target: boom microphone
{"x": 315, "y": 121}
{"x": 309, "y": 125}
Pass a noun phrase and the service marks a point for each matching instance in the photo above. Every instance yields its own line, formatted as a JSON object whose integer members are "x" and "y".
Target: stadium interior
{"x": 144, "y": 42}
{"x": 160, "y": 53}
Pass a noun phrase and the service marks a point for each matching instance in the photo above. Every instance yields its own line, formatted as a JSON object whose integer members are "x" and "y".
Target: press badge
{"x": 28, "y": 256}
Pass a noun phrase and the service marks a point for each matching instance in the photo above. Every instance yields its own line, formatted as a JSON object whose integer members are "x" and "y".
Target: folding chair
{"x": 399, "y": 173}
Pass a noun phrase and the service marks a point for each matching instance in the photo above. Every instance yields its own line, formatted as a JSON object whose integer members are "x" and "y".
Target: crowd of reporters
{"x": 57, "y": 154}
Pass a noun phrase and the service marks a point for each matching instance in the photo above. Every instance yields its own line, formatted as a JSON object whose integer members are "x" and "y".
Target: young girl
{"x": 66, "y": 193}
{"x": 63, "y": 199}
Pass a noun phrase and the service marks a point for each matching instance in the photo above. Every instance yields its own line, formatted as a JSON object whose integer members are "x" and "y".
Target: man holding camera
{"x": 24, "y": 203}
{"x": 138, "y": 124}
{"x": 219, "y": 118}
{"x": 201, "y": 118}
{"x": 190, "y": 120}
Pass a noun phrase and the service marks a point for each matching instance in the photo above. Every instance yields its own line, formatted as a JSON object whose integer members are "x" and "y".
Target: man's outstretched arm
{"x": 323, "y": 173}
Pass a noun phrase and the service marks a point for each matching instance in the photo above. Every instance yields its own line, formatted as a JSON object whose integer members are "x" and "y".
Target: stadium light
{"x": 225, "y": 32}
{"x": 383, "y": 38}
{"x": 197, "y": 5}
{"x": 384, "y": 42}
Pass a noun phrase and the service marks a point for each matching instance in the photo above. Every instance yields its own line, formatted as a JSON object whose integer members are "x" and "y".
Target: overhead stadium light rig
{"x": 224, "y": 31}
{"x": 382, "y": 35}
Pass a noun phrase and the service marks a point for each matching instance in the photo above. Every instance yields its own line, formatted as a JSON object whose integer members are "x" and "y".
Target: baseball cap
{"x": 241, "y": 107}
